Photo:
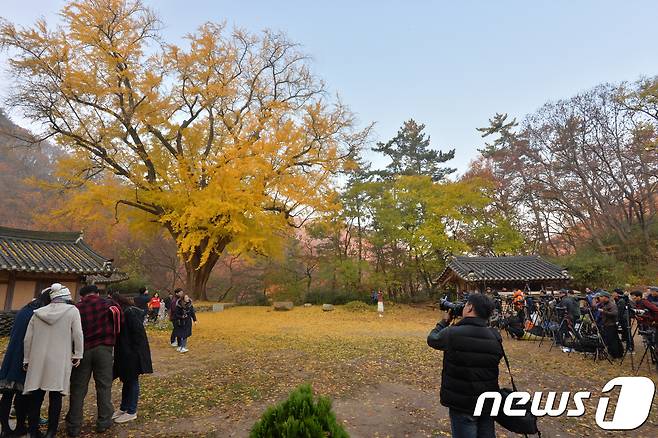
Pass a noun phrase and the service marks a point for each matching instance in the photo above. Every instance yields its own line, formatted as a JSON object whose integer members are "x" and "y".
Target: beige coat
{"x": 54, "y": 337}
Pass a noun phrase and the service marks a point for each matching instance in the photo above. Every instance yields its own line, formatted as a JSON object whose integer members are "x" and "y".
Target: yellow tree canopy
{"x": 224, "y": 140}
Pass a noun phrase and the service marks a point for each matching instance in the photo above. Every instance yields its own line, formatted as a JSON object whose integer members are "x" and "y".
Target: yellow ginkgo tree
{"x": 227, "y": 139}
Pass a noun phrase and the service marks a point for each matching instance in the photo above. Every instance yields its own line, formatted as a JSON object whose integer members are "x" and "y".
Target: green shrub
{"x": 357, "y": 306}
{"x": 301, "y": 416}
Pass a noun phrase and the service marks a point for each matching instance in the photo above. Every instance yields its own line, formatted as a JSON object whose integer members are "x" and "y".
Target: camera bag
{"x": 526, "y": 424}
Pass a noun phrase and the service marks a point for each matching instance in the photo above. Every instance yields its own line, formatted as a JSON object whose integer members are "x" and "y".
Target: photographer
{"x": 623, "y": 314}
{"x": 608, "y": 311}
{"x": 652, "y": 294}
{"x": 645, "y": 312}
{"x": 470, "y": 365}
{"x": 570, "y": 313}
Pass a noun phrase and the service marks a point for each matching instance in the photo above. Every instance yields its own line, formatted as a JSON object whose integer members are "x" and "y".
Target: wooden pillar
{"x": 78, "y": 286}
{"x": 10, "y": 290}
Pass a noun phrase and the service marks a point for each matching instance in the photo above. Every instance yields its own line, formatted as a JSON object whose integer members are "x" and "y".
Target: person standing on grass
{"x": 380, "y": 302}
{"x": 609, "y": 312}
{"x": 142, "y": 301}
{"x": 132, "y": 357}
{"x": 101, "y": 324}
{"x": 472, "y": 352}
{"x": 167, "y": 302}
{"x": 646, "y": 313}
{"x": 623, "y": 314}
{"x": 53, "y": 347}
{"x": 184, "y": 315}
{"x": 178, "y": 295}
{"x": 12, "y": 374}
{"x": 154, "y": 307}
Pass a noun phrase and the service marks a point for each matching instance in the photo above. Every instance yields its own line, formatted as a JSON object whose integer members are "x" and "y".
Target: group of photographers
{"x": 473, "y": 350}
{"x": 613, "y": 312}
{"x": 610, "y": 312}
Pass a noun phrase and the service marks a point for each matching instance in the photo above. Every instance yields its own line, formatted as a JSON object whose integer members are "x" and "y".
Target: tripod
{"x": 630, "y": 337}
{"x": 546, "y": 316}
{"x": 601, "y": 349}
{"x": 649, "y": 340}
{"x": 567, "y": 334}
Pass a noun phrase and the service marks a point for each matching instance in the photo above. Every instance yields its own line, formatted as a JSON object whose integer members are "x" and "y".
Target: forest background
{"x": 574, "y": 181}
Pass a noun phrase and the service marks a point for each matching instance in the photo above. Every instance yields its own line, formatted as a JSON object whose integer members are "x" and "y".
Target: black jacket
{"x": 470, "y": 362}
{"x": 132, "y": 355}
{"x": 182, "y": 319}
{"x": 142, "y": 301}
{"x": 622, "y": 310}
{"x": 573, "y": 309}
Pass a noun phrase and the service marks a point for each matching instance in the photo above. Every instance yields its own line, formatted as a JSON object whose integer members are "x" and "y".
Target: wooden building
{"x": 30, "y": 261}
{"x": 520, "y": 272}
{"x": 103, "y": 282}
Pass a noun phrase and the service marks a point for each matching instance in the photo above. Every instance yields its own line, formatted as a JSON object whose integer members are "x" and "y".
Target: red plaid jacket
{"x": 651, "y": 317}
{"x": 101, "y": 320}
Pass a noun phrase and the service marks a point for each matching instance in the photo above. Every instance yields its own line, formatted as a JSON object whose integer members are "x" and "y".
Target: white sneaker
{"x": 183, "y": 350}
{"x": 117, "y": 414}
{"x": 179, "y": 349}
{"x": 174, "y": 344}
{"x": 126, "y": 417}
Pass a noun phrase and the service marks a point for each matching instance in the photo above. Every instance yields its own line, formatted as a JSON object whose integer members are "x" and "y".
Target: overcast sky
{"x": 450, "y": 65}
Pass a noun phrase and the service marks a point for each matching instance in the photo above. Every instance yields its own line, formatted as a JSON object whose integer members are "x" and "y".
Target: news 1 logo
{"x": 633, "y": 405}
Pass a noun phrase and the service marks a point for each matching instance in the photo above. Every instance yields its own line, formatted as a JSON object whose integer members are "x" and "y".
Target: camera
{"x": 455, "y": 309}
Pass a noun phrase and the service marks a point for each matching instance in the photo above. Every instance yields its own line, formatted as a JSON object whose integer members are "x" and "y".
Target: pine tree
{"x": 410, "y": 154}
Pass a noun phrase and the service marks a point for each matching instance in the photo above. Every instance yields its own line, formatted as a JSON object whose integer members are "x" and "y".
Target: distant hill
{"x": 21, "y": 160}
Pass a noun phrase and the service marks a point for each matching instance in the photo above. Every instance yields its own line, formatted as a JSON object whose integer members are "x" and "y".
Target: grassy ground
{"x": 382, "y": 376}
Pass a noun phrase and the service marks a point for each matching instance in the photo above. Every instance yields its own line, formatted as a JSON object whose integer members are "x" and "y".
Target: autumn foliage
{"x": 223, "y": 141}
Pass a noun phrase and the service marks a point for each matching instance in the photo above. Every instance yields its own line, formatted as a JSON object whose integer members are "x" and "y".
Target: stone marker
{"x": 282, "y": 305}
{"x": 327, "y": 307}
{"x": 220, "y": 307}
{"x": 308, "y": 304}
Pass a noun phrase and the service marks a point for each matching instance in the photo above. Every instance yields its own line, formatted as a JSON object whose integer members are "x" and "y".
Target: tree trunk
{"x": 197, "y": 277}
{"x": 360, "y": 245}
{"x": 197, "y": 274}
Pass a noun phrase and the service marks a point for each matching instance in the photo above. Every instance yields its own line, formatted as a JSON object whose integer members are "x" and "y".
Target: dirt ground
{"x": 379, "y": 372}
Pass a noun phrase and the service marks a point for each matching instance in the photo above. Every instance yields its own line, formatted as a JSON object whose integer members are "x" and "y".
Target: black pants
{"x": 21, "y": 403}
{"x": 611, "y": 339}
{"x": 54, "y": 409}
{"x": 626, "y": 335}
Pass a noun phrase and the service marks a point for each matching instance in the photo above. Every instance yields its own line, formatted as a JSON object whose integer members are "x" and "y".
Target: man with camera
{"x": 472, "y": 352}
{"x": 652, "y": 294}
{"x": 645, "y": 311}
{"x": 609, "y": 315}
{"x": 646, "y": 314}
{"x": 623, "y": 314}
{"x": 569, "y": 313}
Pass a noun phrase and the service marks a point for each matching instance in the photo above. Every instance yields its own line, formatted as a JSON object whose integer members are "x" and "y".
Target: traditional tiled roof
{"x": 50, "y": 252}
{"x": 491, "y": 269}
{"x": 116, "y": 277}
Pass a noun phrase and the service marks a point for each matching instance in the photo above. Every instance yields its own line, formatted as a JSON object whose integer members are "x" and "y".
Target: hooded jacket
{"x": 53, "y": 338}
